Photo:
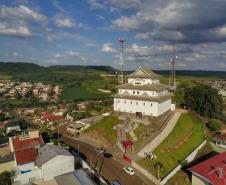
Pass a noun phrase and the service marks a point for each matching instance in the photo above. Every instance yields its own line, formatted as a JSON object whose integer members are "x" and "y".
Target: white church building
{"x": 143, "y": 94}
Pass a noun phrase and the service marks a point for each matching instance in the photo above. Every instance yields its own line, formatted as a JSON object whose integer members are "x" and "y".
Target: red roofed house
{"x": 25, "y": 153}
{"x": 211, "y": 171}
{"x": 50, "y": 118}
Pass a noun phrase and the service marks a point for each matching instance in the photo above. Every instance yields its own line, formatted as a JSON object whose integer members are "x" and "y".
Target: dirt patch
{"x": 179, "y": 144}
{"x": 95, "y": 138}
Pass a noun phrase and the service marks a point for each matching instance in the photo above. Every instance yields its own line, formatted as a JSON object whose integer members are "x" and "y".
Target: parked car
{"x": 100, "y": 150}
{"x": 108, "y": 155}
{"x": 115, "y": 182}
{"x": 129, "y": 170}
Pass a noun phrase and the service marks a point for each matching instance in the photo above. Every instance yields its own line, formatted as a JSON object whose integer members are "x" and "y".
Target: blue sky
{"x": 86, "y": 32}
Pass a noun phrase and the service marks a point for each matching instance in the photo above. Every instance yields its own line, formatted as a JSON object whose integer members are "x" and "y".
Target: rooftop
{"x": 143, "y": 72}
{"x": 148, "y": 87}
{"x": 26, "y": 156}
{"x": 77, "y": 177}
{"x": 143, "y": 98}
{"x": 20, "y": 144}
{"x": 49, "y": 151}
{"x": 212, "y": 169}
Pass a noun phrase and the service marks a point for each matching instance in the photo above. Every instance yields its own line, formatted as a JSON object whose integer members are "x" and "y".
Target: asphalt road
{"x": 111, "y": 169}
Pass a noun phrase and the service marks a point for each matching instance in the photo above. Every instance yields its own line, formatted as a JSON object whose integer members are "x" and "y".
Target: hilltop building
{"x": 143, "y": 95}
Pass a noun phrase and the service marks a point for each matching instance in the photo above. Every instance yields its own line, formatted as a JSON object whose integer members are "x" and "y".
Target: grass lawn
{"x": 87, "y": 91}
{"x": 186, "y": 136}
{"x": 105, "y": 128}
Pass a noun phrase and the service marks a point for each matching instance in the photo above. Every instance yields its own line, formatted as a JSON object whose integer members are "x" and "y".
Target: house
{"x": 53, "y": 161}
{"x": 143, "y": 95}
{"x": 50, "y": 118}
{"x": 210, "y": 171}
{"x": 220, "y": 140}
{"x": 6, "y": 156}
{"x": 48, "y": 161}
{"x": 12, "y": 128}
{"x": 75, "y": 127}
{"x": 25, "y": 148}
{"x": 77, "y": 177}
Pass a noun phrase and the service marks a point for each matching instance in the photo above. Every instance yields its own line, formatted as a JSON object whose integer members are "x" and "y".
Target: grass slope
{"x": 170, "y": 159}
{"x": 105, "y": 128}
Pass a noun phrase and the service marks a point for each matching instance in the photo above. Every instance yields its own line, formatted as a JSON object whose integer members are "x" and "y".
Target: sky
{"x": 86, "y": 32}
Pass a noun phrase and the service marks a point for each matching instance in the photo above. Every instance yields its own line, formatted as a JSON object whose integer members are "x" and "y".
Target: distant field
{"x": 189, "y": 79}
{"x": 5, "y": 77}
{"x": 187, "y": 135}
{"x": 87, "y": 90}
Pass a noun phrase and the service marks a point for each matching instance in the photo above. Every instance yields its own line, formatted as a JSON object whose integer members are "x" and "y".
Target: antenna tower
{"x": 120, "y": 75}
{"x": 172, "y": 82}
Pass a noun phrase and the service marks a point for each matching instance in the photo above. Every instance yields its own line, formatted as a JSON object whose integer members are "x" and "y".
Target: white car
{"x": 129, "y": 170}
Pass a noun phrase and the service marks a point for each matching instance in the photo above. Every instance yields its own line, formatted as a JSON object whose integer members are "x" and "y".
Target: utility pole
{"x": 172, "y": 79}
{"x": 120, "y": 75}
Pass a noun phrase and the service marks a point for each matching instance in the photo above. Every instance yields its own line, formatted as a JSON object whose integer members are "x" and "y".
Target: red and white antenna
{"x": 120, "y": 75}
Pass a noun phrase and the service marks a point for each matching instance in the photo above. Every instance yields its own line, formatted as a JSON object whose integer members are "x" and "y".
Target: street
{"x": 111, "y": 169}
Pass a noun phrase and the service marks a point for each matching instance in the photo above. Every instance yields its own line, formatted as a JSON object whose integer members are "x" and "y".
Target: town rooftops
{"x": 148, "y": 87}
{"x": 212, "y": 170}
{"x": 143, "y": 72}
{"x": 48, "y": 152}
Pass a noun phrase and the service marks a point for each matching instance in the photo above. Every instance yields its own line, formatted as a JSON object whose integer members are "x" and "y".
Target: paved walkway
{"x": 162, "y": 135}
{"x": 131, "y": 132}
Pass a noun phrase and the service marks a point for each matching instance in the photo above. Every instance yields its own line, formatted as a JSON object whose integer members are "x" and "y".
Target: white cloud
{"x": 21, "y": 31}
{"x": 21, "y": 13}
{"x": 95, "y": 4}
{"x": 68, "y": 56}
{"x": 67, "y": 23}
{"x": 108, "y": 48}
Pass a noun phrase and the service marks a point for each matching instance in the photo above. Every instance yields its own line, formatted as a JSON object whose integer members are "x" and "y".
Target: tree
{"x": 214, "y": 125}
{"x": 5, "y": 178}
{"x": 205, "y": 100}
{"x": 2, "y": 117}
{"x": 158, "y": 167}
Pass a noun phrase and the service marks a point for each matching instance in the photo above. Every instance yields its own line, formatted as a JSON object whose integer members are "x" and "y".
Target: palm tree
{"x": 158, "y": 167}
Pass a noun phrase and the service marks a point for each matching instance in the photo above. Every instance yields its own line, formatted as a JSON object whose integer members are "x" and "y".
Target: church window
{"x": 144, "y": 104}
{"x": 138, "y": 92}
{"x": 136, "y": 103}
{"x": 151, "y": 104}
{"x": 133, "y": 92}
{"x": 125, "y": 102}
{"x": 131, "y": 102}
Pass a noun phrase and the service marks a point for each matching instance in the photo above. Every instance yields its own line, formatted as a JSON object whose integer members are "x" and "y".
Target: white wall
{"x": 164, "y": 106}
{"x": 61, "y": 164}
{"x": 137, "y": 92}
{"x": 147, "y": 108}
{"x": 142, "y": 81}
{"x": 28, "y": 177}
{"x": 28, "y": 166}
{"x": 196, "y": 180}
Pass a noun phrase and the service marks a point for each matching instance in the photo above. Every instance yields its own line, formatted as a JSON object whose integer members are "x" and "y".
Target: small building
{"x": 220, "y": 140}
{"x": 53, "y": 161}
{"x": 143, "y": 95}
{"x": 50, "y": 118}
{"x": 75, "y": 127}
{"x": 210, "y": 171}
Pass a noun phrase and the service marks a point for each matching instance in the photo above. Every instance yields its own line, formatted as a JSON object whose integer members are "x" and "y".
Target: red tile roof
{"x": 51, "y": 117}
{"x": 26, "y": 156}
{"x": 212, "y": 169}
{"x": 25, "y": 151}
{"x": 20, "y": 144}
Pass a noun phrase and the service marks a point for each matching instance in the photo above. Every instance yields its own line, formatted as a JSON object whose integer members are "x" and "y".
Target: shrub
{"x": 214, "y": 125}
